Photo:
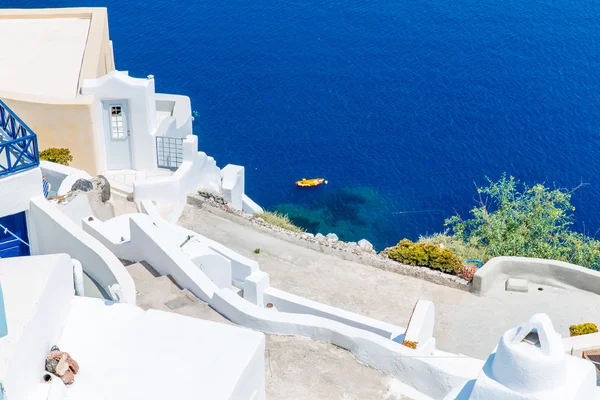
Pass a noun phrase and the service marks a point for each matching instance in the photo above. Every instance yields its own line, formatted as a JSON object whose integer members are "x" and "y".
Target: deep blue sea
{"x": 404, "y": 106}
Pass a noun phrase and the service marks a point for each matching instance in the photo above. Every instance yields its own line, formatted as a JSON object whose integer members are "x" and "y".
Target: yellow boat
{"x": 311, "y": 182}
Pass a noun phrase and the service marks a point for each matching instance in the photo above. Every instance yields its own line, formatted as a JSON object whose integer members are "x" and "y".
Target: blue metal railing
{"x": 18, "y": 143}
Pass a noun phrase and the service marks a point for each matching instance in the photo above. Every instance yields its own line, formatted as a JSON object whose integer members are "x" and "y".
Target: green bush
{"x": 513, "y": 219}
{"x": 583, "y": 329}
{"x": 425, "y": 255}
{"x": 463, "y": 250}
{"x": 257, "y": 251}
{"x": 280, "y": 220}
{"x": 55, "y": 155}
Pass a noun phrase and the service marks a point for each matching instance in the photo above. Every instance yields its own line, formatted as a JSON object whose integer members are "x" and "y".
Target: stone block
{"x": 517, "y": 285}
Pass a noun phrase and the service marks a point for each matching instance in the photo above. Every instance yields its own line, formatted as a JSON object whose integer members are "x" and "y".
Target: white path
{"x": 465, "y": 323}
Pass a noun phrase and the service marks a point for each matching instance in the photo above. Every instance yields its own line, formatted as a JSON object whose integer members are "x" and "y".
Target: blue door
{"x": 10, "y": 246}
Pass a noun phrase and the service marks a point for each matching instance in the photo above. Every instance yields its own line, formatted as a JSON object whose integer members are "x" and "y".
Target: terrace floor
{"x": 465, "y": 323}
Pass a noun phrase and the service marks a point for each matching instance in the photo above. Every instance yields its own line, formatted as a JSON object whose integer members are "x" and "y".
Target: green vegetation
{"x": 583, "y": 329}
{"x": 426, "y": 255}
{"x": 514, "y": 219}
{"x": 463, "y": 250}
{"x": 56, "y": 155}
{"x": 280, "y": 220}
{"x": 257, "y": 251}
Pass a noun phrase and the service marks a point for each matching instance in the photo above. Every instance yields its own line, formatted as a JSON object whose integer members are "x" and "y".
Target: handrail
{"x": 11, "y": 114}
{"x": 21, "y": 151}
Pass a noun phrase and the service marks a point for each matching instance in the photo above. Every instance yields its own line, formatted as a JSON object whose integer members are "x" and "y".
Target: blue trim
{"x": 21, "y": 151}
{"x": 479, "y": 263}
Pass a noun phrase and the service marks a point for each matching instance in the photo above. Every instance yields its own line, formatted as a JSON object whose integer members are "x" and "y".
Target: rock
{"x": 332, "y": 237}
{"x": 72, "y": 363}
{"x": 318, "y": 236}
{"x": 307, "y": 235}
{"x": 101, "y": 183}
{"x": 82, "y": 185}
{"x": 365, "y": 245}
{"x": 68, "y": 378}
{"x": 62, "y": 367}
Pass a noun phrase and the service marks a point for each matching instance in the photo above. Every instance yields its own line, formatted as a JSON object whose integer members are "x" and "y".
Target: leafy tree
{"x": 56, "y": 155}
{"x": 514, "y": 219}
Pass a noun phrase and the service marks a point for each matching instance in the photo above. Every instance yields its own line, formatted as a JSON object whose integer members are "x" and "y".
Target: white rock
{"x": 332, "y": 237}
{"x": 318, "y": 236}
{"x": 307, "y": 235}
{"x": 365, "y": 245}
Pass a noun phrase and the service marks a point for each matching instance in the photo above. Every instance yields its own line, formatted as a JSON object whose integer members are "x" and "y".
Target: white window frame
{"x": 117, "y": 132}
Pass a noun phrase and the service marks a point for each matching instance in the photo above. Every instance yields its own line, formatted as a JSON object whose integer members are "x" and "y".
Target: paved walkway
{"x": 465, "y": 323}
{"x": 295, "y": 368}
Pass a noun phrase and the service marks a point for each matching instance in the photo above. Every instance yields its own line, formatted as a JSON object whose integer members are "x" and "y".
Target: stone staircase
{"x": 160, "y": 292}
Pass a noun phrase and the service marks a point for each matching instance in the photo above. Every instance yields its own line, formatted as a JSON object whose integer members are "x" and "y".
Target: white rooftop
{"x": 42, "y": 56}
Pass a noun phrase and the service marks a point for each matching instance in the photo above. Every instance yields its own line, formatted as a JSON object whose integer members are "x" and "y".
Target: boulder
{"x": 82, "y": 185}
{"x": 307, "y": 235}
{"x": 365, "y": 245}
{"x": 332, "y": 237}
{"x": 319, "y": 236}
{"x": 101, "y": 183}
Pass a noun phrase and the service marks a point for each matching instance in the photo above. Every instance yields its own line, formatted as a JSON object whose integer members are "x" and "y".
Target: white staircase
{"x": 160, "y": 292}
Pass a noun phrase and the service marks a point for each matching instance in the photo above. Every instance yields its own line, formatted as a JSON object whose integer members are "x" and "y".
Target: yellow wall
{"x": 61, "y": 125}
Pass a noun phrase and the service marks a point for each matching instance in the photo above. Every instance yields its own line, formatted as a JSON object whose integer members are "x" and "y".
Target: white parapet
{"x": 420, "y": 326}
{"x": 255, "y": 286}
{"x": 233, "y": 185}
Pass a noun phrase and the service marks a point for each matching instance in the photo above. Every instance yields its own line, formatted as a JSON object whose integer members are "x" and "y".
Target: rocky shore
{"x": 361, "y": 251}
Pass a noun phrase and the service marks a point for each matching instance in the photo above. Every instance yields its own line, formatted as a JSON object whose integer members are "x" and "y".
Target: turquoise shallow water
{"x": 403, "y": 106}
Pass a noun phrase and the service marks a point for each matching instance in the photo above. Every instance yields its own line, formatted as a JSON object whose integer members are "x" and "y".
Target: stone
{"x": 62, "y": 367}
{"x": 307, "y": 235}
{"x": 332, "y": 237}
{"x": 517, "y": 285}
{"x": 101, "y": 183}
{"x": 72, "y": 363}
{"x": 365, "y": 245}
{"x": 68, "y": 378}
{"x": 83, "y": 185}
{"x": 319, "y": 236}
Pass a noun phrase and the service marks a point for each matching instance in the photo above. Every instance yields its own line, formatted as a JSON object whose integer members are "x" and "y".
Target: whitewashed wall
{"x": 42, "y": 326}
{"x": 118, "y": 85}
{"x": 545, "y": 272}
{"x": 18, "y": 189}
{"x": 197, "y": 172}
{"x": 53, "y": 232}
{"x": 233, "y": 185}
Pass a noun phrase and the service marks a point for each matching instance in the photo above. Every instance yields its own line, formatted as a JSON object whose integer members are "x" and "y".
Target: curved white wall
{"x": 545, "y": 272}
{"x": 53, "y": 232}
{"x": 197, "y": 171}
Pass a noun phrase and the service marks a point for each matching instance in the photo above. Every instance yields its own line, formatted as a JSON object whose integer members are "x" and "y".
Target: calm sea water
{"x": 404, "y": 106}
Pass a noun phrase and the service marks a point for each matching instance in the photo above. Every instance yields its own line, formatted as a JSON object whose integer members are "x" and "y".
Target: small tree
{"x": 528, "y": 222}
{"x": 60, "y": 156}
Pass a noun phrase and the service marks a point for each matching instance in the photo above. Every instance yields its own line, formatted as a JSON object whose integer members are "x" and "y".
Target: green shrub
{"x": 463, "y": 250}
{"x": 583, "y": 329}
{"x": 55, "y": 155}
{"x": 425, "y": 255}
{"x": 280, "y": 220}
{"x": 513, "y": 219}
{"x": 257, "y": 251}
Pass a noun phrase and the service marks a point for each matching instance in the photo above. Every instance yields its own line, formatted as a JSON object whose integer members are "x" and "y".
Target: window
{"x": 116, "y": 122}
